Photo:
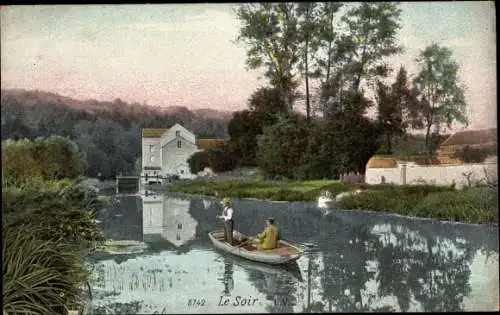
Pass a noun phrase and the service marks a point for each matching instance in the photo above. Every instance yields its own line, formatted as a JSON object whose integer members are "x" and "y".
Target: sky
{"x": 185, "y": 54}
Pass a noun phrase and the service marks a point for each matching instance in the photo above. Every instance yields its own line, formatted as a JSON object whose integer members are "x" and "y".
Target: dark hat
{"x": 270, "y": 219}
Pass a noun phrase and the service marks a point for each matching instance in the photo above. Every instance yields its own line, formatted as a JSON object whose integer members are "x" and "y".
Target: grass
{"x": 39, "y": 276}
{"x": 471, "y": 205}
{"x": 263, "y": 189}
{"x": 47, "y": 232}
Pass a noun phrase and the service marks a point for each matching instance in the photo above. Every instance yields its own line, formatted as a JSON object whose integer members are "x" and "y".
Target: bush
{"x": 55, "y": 213}
{"x": 221, "y": 159}
{"x": 48, "y": 159}
{"x": 471, "y": 155}
{"x": 198, "y": 161}
{"x": 48, "y": 229}
{"x": 472, "y": 205}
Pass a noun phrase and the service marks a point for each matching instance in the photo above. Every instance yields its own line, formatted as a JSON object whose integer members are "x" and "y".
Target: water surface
{"x": 360, "y": 261}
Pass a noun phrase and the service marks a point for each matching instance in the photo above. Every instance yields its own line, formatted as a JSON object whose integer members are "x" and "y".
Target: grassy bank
{"x": 470, "y": 205}
{"x": 262, "y": 189}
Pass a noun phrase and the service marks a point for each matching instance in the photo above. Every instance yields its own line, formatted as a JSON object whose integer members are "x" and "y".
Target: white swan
{"x": 325, "y": 200}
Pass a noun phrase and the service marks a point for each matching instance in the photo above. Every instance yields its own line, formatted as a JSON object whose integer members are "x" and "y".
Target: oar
{"x": 308, "y": 245}
{"x": 243, "y": 243}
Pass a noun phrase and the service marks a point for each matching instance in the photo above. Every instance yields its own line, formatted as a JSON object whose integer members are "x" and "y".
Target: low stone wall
{"x": 412, "y": 174}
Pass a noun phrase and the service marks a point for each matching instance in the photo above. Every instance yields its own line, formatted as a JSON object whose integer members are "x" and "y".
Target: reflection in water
{"x": 363, "y": 262}
{"x": 168, "y": 218}
{"x": 227, "y": 278}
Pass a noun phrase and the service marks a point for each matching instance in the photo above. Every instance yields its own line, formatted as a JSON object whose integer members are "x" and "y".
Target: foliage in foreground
{"x": 54, "y": 213}
{"x": 48, "y": 229}
{"x": 39, "y": 276}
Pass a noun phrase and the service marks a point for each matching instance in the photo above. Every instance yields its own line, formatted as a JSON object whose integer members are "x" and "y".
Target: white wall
{"x": 179, "y": 225}
{"x": 171, "y": 134}
{"x": 436, "y": 174}
{"x": 152, "y": 216}
{"x": 175, "y": 159}
{"x": 154, "y": 158}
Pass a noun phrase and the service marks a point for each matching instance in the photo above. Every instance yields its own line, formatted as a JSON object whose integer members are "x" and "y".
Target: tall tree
{"x": 392, "y": 105}
{"x": 372, "y": 29}
{"x": 440, "y": 97}
{"x": 326, "y": 48}
{"x": 269, "y": 31}
{"x": 308, "y": 33}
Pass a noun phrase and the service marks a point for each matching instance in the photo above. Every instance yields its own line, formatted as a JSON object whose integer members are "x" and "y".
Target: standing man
{"x": 227, "y": 215}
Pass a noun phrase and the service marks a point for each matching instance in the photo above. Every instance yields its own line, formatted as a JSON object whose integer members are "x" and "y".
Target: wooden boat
{"x": 243, "y": 247}
{"x": 290, "y": 269}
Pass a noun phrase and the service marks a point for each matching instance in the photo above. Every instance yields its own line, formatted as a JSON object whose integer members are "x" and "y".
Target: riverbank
{"x": 262, "y": 189}
{"x": 474, "y": 205}
{"x": 48, "y": 226}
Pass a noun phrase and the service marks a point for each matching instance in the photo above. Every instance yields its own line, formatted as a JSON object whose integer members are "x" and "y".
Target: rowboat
{"x": 243, "y": 247}
{"x": 290, "y": 269}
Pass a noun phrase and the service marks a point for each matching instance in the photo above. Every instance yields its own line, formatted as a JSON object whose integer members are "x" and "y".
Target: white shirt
{"x": 227, "y": 213}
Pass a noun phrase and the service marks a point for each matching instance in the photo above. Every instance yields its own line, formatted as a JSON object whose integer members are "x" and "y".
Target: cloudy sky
{"x": 183, "y": 54}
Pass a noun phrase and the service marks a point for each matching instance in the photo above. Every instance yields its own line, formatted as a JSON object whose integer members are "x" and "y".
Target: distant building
{"x": 483, "y": 139}
{"x": 165, "y": 151}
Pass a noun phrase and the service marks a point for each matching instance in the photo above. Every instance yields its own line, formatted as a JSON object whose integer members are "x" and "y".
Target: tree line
{"x": 108, "y": 135}
{"x": 335, "y": 57}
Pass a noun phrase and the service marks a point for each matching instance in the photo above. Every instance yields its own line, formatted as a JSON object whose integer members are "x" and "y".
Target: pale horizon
{"x": 184, "y": 54}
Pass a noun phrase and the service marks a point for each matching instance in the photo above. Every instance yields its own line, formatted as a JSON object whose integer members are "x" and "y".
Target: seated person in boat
{"x": 269, "y": 239}
{"x": 227, "y": 215}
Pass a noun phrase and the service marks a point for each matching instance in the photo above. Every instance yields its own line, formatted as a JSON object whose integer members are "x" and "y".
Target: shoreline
{"x": 471, "y": 205}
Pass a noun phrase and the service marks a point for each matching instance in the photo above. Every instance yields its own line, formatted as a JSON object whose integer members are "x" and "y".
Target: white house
{"x": 165, "y": 152}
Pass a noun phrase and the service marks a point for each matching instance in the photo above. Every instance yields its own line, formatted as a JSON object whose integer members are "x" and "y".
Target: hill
{"x": 108, "y": 133}
{"x": 36, "y": 97}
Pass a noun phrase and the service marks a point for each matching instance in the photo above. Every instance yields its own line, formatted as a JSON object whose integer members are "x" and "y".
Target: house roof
{"x": 471, "y": 137}
{"x": 205, "y": 144}
{"x": 153, "y": 132}
{"x": 380, "y": 162}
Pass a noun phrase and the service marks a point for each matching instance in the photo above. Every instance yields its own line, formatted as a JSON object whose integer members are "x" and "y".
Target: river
{"x": 357, "y": 261}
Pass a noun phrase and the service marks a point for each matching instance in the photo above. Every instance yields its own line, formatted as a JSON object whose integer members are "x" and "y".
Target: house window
{"x": 151, "y": 150}
{"x": 179, "y": 143}
{"x": 177, "y": 133}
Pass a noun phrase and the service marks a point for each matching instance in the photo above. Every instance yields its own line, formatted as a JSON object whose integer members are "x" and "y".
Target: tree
{"x": 357, "y": 52}
{"x": 439, "y": 96}
{"x": 58, "y": 157}
{"x": 325, "y": 47}
{"x": 269, "y": 31}
{"x": 371, "y": 37}
{"x": 308, "y": 32}
{"x": 392, "y": 104}
{"x": 281, "y": 146}
{"x": 198, "y": 161}
{"x": 267, "y": 104}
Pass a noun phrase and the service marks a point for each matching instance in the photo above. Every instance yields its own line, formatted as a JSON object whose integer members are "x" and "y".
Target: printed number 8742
{"x": 196, "y": 302}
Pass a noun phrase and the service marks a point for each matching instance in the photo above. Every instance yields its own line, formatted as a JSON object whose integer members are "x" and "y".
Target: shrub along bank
{"x": 470, "y": 205}
{"x": 262, "y": 189}
{"x": 47, "y": 229}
